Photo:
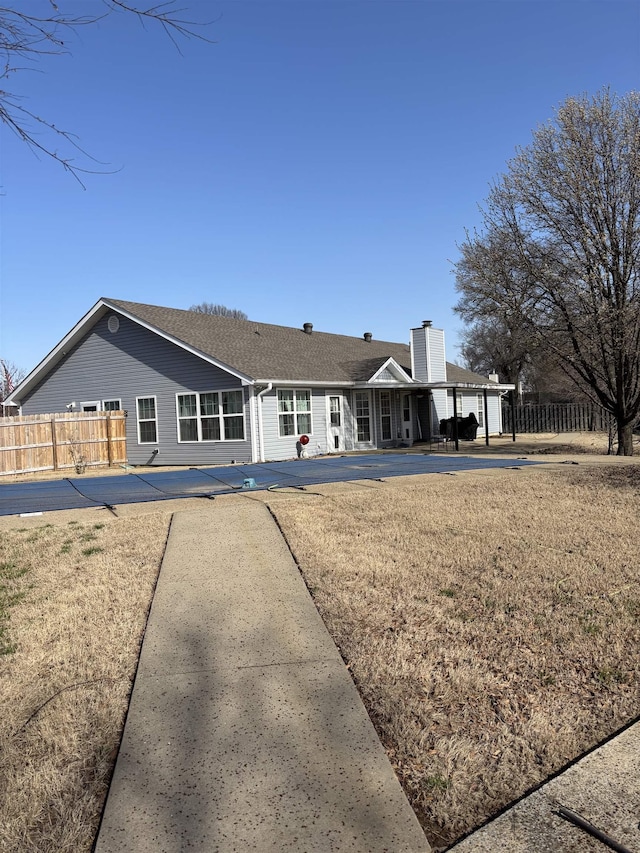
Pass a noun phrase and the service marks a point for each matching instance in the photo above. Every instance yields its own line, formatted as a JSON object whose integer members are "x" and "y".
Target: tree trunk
{"x": 625, "y": 439}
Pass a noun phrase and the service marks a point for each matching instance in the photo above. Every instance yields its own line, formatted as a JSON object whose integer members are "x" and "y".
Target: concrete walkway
{"x": 245, "y": 731}
{"x": 602, "y": 787}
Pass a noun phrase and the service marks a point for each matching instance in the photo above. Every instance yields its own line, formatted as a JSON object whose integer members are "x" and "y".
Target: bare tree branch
{"x": 26, "y": 37}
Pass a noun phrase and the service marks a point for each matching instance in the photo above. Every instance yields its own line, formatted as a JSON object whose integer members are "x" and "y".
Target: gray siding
{"x": 428, "y": 355}
{"x": 436, "y": 355}
{"x": 135, "y": 362}
{"x": 284, "y": 447}
{"x": 439, "y": 409}
{"x": 419, "y": 355}
{"x": 470, "y": 404}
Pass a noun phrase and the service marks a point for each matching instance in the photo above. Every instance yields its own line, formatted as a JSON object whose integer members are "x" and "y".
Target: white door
{"x": 335, "y": 422}
{"x": 406, "y": 417}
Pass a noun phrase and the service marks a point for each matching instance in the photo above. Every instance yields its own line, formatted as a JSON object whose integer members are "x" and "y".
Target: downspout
{"x": 486, "y": 417}
{"x": 455, "y": 419}
{"x": 265, "y": 390}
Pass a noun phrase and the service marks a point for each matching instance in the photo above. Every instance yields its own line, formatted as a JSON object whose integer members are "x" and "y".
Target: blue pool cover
{"x": 149, "y": 485}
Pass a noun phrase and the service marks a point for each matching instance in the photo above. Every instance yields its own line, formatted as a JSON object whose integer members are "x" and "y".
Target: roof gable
{"x": 390, "y": 371}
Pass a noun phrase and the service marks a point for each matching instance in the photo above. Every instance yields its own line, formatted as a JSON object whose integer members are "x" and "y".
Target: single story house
{"x": 201, "y": 389}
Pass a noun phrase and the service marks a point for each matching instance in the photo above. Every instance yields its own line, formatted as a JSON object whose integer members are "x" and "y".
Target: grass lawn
{"x": 73, "y": 605}
{"x": 491, "y": 621}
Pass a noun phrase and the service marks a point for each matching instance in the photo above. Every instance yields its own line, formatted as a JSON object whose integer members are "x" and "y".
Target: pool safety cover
{"x": 145, "y": 484}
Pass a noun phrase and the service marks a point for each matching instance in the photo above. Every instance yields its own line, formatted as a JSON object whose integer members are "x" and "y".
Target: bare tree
{"x": 26, "y": 37}
{"x": 559, "y": 256}
{"x": 10, "y": 377}
{"x": 218, "y": 311}
{"x": 489, "y": 346}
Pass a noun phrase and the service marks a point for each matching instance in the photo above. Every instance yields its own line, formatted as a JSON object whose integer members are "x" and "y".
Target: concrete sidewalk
{"x": 245, "y": 731}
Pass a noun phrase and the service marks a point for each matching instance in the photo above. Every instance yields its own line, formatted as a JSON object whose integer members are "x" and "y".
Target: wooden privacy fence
{"x": 557, "y": 417}
{"x": 58, "y": 441}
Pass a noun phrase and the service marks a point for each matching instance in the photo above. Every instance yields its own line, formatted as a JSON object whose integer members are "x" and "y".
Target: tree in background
{"x": 559, "y": 255}
{"x": 489, "y": 346}
{"x": 10, "y": 377}
{"x": 218, "y": 311}
{"x": 26, "y": 36}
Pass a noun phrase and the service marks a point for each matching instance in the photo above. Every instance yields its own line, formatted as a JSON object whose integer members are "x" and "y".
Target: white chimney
{"x": 428, "y": 362}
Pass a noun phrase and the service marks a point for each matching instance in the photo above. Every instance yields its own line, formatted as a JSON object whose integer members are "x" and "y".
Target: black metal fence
{"x": 557, "y": 417}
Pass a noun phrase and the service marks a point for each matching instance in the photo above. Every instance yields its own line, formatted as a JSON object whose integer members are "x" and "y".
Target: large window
{"x": 385, "y": 414}
{"x": 147, "y": 420}
{"x": 211, "y": 416}
{"x": 294, "y": 412}
{"x": 363, "y": 417}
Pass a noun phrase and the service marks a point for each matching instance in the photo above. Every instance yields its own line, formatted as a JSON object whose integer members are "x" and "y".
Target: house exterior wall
{"x": 276, "y": 446}
{"x": 135, "y": 362}
{"x": 442, "y": 408}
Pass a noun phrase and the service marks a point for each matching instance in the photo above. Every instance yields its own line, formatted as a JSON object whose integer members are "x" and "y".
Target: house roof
{"x": 256, "y": 352}
{"x": 268, "y": 352}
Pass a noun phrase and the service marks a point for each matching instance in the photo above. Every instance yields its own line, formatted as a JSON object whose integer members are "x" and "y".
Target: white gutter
{"x": 260, "y": 432}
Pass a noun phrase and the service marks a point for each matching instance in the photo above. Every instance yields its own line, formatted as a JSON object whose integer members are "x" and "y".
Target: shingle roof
{"x": 464, "y": 376}
{"x": 263, "y": 351}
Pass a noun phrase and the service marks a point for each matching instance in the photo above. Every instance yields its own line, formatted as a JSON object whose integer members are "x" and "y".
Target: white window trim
{"x": 480, "y": 404}
{"x": 339, "y": 412}
{"x": 388, "y": 415}
{"x": 117, "y": 400}
{"x": 295, "y": 411}
{"x": 96, "y": 403}
{"x": 146, "y": 420}
{"x": 372, "y": 420}
{"x": 220, "y": 416}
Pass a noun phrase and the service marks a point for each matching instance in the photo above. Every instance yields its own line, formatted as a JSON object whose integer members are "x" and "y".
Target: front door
{"x": 335, "y": 419}
{"x": 406, "y": 418}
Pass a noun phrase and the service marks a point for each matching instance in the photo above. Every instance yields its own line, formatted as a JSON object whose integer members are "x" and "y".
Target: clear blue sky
{"x": 319, "y": 162}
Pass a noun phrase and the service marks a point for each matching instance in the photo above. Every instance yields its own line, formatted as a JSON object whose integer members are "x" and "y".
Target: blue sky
{"x": 319, "y": 162}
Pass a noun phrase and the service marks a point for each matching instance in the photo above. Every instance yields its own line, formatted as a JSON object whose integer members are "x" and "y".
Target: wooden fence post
{"x": 109, "y": 445}
{"x": 54, "y": 445}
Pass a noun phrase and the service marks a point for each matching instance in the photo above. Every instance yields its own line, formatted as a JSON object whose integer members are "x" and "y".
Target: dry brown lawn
{"x": 73, "y": 604}
{"x": 491, "y": 622}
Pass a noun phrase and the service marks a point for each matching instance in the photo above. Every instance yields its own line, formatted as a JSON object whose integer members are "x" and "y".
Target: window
{"x": 147, "y": 420}
{"x": 363, "y": 421}
{"x": 211, "y": 416}
{"x": 294, "y": 412}
{"x": 459, "y": 403}
{"x": 101, "y": 406}
{"x": 385, "y": 414}
{"x": 335, "y": 414}
{"x": 480, "y": 399}
{"x": 406, "y": 408}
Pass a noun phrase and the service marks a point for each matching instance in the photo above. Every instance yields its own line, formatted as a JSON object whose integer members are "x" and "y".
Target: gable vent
{"x": 113, "y": 323}
{"x": 367, "y": 336}
{"x": 308, "y": 328}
